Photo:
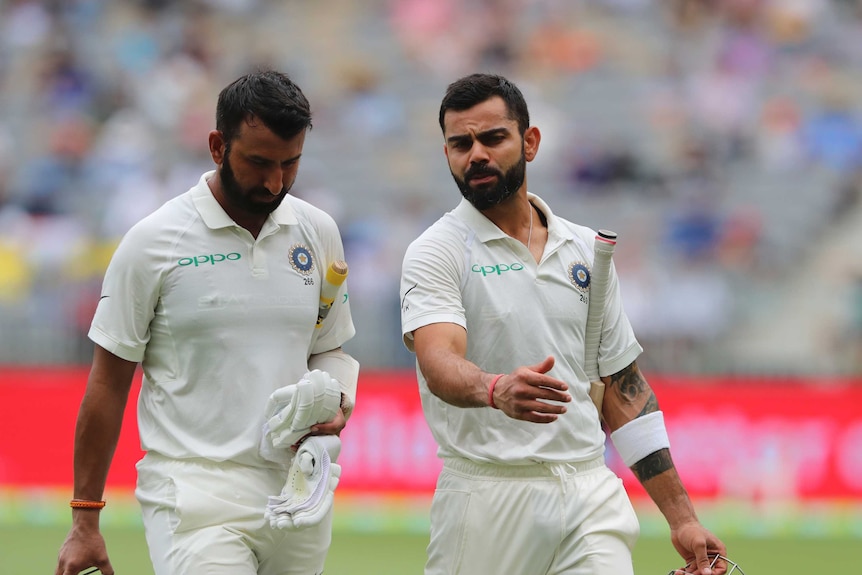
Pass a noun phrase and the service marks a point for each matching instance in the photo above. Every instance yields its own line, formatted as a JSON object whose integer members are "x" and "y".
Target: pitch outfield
{"x": 33, "y": 549}
{"x": 387, "y": 536}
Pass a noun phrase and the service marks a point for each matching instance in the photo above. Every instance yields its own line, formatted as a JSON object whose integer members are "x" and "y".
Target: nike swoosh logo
{"x": 103, "y": 297}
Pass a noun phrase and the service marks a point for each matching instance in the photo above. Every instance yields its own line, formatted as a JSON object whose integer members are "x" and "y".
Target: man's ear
{"x": 217, "y": 146}
{"x": 532, "y": 137}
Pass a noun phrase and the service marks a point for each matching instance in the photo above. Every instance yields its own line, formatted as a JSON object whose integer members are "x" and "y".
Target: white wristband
{"x": 344, "y": 369}
{"x": 640, "y": 437}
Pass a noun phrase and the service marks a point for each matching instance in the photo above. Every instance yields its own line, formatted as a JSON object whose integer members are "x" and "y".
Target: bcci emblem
{"x": 579, "y": 275}
{"x": 301, "y": 259}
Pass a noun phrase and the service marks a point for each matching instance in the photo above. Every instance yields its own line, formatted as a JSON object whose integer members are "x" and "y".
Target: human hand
{"x": 715, "y": 561}
{"x": 83, "y": 548}
{"x": 695, "y": 543}
{"x": 526, "y": 392}
{"x": 308, "y": 493}
{"x": 331, "y": 427}
{"x": 315, "y": 399}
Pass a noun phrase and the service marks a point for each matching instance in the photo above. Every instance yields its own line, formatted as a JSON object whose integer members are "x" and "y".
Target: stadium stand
{"x": 722, "y": 140}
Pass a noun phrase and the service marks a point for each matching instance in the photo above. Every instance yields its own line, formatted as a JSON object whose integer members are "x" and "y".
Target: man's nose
{"x": 274, "y": 181}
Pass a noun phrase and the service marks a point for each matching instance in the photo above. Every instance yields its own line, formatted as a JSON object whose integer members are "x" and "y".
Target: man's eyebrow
{"x": 259, "y": 158}
{"x": 458, "y": 138}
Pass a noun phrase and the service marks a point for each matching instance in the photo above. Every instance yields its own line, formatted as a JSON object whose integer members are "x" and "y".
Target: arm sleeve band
{"x": 344, "y": 369}
{"x": 640, "y": 437}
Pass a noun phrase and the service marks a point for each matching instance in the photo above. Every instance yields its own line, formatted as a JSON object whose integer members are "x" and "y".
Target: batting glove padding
{"x": 343, "y": 368}
{"x": 293, "y": 409}
{"x": 309, "y": 492}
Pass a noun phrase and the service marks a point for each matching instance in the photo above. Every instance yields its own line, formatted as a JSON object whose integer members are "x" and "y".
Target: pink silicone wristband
{"x": 491, "y": 390}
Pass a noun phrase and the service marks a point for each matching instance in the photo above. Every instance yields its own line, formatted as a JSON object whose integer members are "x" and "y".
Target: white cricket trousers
{"x": 206, "y": 518}
{"x": 543, "y": 519}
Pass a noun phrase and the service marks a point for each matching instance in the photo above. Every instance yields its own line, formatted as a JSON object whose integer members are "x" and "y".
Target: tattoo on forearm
{"x": 651, "y": 404}
{"x": 631, "y": 388}
{"x": 652, "y": 465}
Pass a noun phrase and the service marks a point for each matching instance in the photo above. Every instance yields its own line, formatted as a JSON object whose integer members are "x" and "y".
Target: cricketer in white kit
{"x": 495, "y": 298}
{"x": 220, "y": 320}
{"x": 544, "y": 487}
{"x": 219, "y": 296}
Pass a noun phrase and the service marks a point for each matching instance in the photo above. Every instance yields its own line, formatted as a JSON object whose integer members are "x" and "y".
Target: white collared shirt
{"x": 218, "y": 318}
{"x": 465, "y": 270}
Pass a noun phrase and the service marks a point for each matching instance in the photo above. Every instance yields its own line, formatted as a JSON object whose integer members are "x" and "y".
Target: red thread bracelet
{"x": 86, "y": 504}
{"x": 491, "y": 390}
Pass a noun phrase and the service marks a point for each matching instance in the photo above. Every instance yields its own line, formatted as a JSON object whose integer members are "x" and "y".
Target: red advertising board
{"x": 750, "y": 439}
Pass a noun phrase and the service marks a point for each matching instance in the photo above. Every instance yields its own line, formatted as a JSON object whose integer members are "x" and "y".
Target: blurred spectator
{"x": 367, "y": 109}
{"x": 65, "y": 86}
{"x": 793, "y": 22}
{"x": 724, "y": 127}
{"x": 779, "y": 141}
{"x": 740, "y": 241}
{"x": 425, "y": 31}
{"x": 556, "y": 46}
{"x": 832, "y": 136}
{"x": 25, "y": 24}
{"x": 598, "y": 167}
{"x": 693, "y": 230}
{"x": 53, "y": 182}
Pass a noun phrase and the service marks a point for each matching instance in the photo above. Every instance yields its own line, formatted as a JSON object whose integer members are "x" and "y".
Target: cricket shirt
{"x": 465, "y": 270}
{"x": 218, "y": 319}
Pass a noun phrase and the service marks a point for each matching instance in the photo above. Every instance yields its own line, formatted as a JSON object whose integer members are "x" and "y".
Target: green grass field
{"x": 33, "y": 549}
{"x": 387, "y": 536}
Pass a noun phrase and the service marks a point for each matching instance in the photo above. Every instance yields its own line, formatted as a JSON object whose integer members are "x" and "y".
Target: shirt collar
{"x": 486, "y": 230}
{"x": 214, "y": 215}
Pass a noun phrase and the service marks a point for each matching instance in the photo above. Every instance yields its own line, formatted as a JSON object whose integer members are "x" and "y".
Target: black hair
{"x": 269, "y": 96}
{"x": 474, "y": 89}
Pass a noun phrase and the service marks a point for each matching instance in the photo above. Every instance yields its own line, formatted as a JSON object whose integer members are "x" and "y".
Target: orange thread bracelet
{"x": 86, "y": 504}
{"x": 491, "y": 390}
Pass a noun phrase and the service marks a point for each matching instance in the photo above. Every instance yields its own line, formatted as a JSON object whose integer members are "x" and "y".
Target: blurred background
{"x": 722, "y": 140}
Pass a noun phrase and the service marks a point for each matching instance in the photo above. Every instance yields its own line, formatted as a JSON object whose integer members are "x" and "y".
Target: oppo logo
{"x": 497, "y": 269}
{"x": 211, "y": 259}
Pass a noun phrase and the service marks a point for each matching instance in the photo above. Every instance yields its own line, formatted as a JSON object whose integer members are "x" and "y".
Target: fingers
{"x": 719, "y": 567}
{"x": 83, "y": 553}
{"x": 703, "y": 562}
{"x": 706, "y": 547}
{"x": 536, "y": 417}
{"x": 538, "y": 411}
{"x": 530, "y": 395}
{"x": 700, "y": 547}
{"x": 543, "y": 366}
{"x": 542, "y": 386}
{"x": 104, "y": 569}
{"x": 332, "y": 427}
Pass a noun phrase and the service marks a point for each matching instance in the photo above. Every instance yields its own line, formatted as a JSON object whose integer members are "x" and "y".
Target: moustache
{"x": 481, "y": 172}
{"x": 264, "y": 193}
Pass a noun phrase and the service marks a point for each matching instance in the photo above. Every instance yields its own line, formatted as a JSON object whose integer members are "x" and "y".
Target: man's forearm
{"x": 100, "y": 418}
{"x": 659, "y": 477}
{"x": 96, "y": 435}
{"x": 455, "y": 380}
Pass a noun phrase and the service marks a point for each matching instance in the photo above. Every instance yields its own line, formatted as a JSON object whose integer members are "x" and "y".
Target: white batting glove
{"x": 279, "y": 401}
{"x": 309, "y": 492}
{"x": 321, "y": 404}
{"x": 292, "y": 410}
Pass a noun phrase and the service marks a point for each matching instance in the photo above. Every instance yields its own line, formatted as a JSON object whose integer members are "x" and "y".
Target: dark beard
{"x": 488, "y": 196}
{"x": 244, "y": 199}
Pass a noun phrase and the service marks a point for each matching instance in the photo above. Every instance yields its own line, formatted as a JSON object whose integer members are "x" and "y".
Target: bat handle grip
{"x": 335, "y": 275}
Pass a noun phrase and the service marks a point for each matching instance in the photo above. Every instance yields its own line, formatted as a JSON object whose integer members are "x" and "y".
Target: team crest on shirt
{"x": 579, "y": 275}
{"x": 301, "y": 259}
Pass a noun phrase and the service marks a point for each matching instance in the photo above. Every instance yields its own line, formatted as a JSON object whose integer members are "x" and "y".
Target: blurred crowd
{"x": 722, "y": 139}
